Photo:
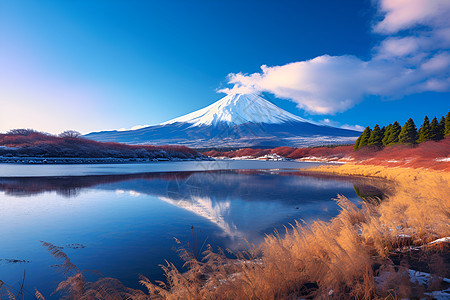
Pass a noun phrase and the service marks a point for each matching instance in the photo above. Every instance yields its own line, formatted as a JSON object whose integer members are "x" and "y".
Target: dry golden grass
{"x": 419, "y": 208}
{"x": 356, "y": 255}
{"x": 347, "y": 257}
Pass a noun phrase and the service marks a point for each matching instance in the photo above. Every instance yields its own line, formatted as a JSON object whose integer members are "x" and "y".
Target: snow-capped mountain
{"x": 236, "y": 120}
{"x": 238, "y": 109}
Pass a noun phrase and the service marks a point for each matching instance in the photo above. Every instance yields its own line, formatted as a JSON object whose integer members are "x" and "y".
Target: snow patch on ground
{"x": 441, "y": 240}
{"x": 443, "y": 159}
{"x": 424, "y": 279}
{"x": 335, "y": 160}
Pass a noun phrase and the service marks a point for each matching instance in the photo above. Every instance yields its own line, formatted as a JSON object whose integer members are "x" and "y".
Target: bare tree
{"x": 21, "y": 131}
{"x": 70, "y": 134}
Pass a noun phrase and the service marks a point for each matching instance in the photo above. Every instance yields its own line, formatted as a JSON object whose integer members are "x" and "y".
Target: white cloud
{"x": 139, "y": 127}
{"x": 133, "y": 128}
{"x": 399, "y": 47}
{"x": 403, "y": 63}
{"x": 353, "y": 127}
{"x": 405, "y": 14}
{"x": 345, "y": 126}
{"x": 330, "y": 84}
{"x": 438, "y": 63}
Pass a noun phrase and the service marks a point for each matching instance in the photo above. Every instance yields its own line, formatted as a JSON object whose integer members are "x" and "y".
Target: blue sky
{"x": 91, "y": 65}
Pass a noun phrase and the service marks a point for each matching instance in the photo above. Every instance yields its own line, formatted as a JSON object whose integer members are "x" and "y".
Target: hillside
{"x": 430, "y": 154}
{"x": 38, "y": 144}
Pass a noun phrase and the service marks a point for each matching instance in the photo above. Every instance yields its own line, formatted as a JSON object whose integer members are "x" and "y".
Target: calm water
{"x": 120, "y": 169}
{"x": 125, "y": 225}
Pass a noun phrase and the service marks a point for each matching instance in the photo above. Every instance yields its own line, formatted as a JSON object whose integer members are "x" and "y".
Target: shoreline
{"x": 394, "y": 174}
{"x": 30, "y": 160}
{"x": 75, "y": 169}
{"x": 399, "y": 247}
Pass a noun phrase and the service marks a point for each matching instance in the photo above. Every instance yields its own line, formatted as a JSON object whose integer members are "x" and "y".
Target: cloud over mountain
{"x": 413, "y": 57}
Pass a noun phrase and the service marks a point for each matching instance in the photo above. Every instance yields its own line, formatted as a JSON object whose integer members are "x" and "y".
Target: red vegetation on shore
{"x": 432, "y": 155}
{"x": 46, "y": 145}
{"x": 288, "y": 152}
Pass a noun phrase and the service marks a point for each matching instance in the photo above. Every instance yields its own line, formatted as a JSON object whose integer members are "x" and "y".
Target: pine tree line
{"x": 394, "y": 134}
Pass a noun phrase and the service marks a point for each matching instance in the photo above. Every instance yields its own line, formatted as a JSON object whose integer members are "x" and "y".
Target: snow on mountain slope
{"x": 238, "y": 120}
{"x": 238, "y": 109}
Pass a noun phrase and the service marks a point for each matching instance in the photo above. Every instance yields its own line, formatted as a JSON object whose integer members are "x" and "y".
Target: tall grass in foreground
{"x": 363, "y": 253}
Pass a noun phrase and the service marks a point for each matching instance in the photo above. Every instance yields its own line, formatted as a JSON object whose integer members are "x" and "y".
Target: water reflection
{"x": 370, "y": 193}
{"x": 243, "y": 204}
{"x": 126, "y": 223}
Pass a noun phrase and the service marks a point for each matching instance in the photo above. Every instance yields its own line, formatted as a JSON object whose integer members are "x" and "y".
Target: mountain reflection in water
{"x": 244, "y": 204}
{"x": 126, "y": 223}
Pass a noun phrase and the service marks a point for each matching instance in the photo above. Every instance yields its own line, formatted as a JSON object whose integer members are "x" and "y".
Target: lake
{"x": 122, "y": 220}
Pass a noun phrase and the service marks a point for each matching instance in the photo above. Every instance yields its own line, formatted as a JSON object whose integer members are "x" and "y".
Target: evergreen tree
{"x": 387, "y": 133}
{"x": 383, "y": 130}
{"x": 425, "y": 131}
{"x": 408, "y": 134}
{"x": 447, "y": 124}
{"x": 436, "y": 133}
{"x": 393, "y": 136}
{"x": 365, "y": 137}
{"x": 356, "y": 146}
{"x": 442, "y": 125}
{"x": 376, "y": 137}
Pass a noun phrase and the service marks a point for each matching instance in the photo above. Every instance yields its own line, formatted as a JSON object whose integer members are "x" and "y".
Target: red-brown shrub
{"x": 45, "y": 145}
{"x": 429, "y": 154}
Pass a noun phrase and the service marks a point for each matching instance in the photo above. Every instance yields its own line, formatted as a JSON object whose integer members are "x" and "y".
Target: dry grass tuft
{"x": 39, "y": 296}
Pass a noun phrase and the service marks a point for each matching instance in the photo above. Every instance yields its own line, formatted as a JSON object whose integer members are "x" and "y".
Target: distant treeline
{"x": 394, "y": 134}
{"x": 31, "y": 143}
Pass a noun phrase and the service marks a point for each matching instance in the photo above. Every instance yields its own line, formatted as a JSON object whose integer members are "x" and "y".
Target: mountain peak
{"x": 238, "y": 109}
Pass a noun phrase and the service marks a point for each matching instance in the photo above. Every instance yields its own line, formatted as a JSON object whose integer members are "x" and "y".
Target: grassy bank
{"x": 430, "y": 154}
{"x": 373, "y": 251}
{"x": 363, "y": 253}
